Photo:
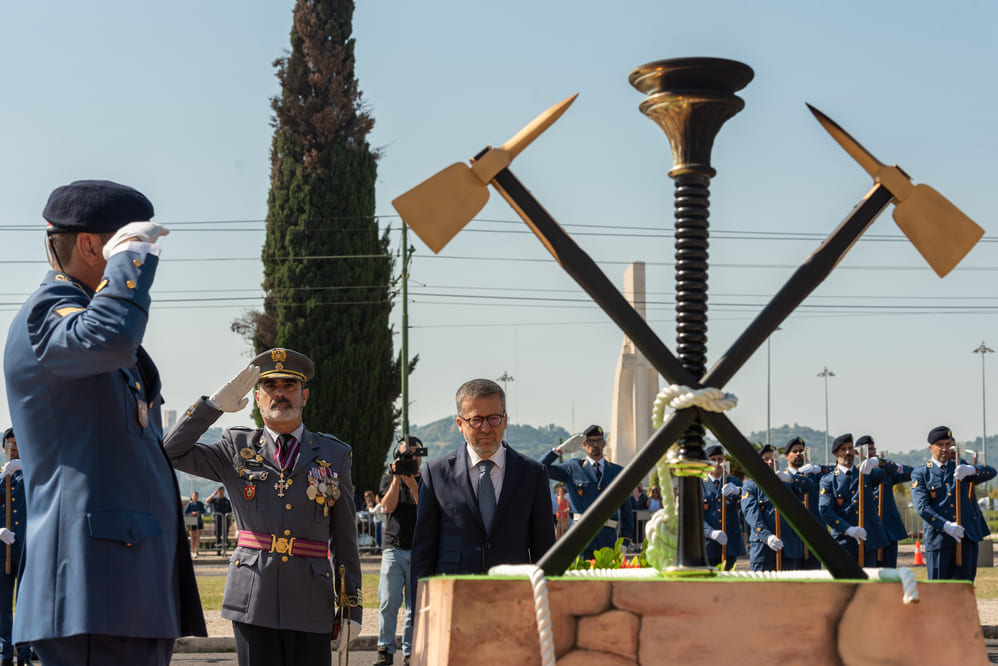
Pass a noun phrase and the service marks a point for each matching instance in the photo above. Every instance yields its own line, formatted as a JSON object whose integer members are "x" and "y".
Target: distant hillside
{"x": 442, "y": 436}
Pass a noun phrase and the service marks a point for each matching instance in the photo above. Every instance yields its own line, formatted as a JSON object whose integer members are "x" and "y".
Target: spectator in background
{"x": 221, "y": 507}
{"x": 195, "y": 508}
{"x": 377, "y": 513}
{"x": 655, "y": 501}
{"x": 561, "y": 518}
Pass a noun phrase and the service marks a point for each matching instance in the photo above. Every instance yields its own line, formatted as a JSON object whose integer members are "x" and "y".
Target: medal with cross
{"x": 690, "y": 98}
{"x": 282, "y": 485}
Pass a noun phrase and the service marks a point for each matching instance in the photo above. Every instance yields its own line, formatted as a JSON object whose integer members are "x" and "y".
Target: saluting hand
{"x": 232, "y": 396}
{"x": 146, "y": 232}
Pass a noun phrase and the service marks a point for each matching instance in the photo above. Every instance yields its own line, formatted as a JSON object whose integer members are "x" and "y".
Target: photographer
{"x": 399, "y": 492}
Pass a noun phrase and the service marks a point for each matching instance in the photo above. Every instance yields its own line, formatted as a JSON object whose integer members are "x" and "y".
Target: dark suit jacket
{"x": 450, "y": 537}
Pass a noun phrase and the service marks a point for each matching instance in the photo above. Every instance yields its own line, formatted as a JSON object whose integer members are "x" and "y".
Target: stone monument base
{"x": 489, "y": 620}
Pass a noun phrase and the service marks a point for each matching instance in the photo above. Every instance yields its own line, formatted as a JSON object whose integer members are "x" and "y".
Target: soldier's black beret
{"x": 840, "y": 440}
{"x": 714, "y": 450}
{"x": 9, "y": 432}
{"x": 767, "y": 448}
{"x": 592, "y": 431}
{"x": 288, "y": 363}
{"x": 95, "y": 206}
{"x": 939, "y": 432}
{"x": 795, "y": 440}
{"x": 864, "y": 441}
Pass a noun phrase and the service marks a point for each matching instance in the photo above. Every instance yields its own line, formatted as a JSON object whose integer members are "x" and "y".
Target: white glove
{"x": 232, "y": 396}
{"x": 354, "y": 629}
{"x": 963, "y": 471}
{"x": 147, "y": 232}
{"x": 774, "y": 542}
{"x": 572, "y": 444}
{"x": 951, "y": 528}
{"x": 11, "y": 467}
{"x": 784, "y": 476}
{"x": 869, "y": 465}
{"x": 810, "y": 468}
{"x": 7, "y": 536}
{"x": 857, "y": 533}
{"x": 719, "y": 536}
{"x": 730, "y": 489}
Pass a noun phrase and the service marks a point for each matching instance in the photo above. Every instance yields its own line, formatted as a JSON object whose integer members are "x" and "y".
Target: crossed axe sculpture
{"x": 438, "y": 208}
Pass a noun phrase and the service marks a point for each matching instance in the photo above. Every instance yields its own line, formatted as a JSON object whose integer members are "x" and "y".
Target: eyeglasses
{"x": 477, "y": 421}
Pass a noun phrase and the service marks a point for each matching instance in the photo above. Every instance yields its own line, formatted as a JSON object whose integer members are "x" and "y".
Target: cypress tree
{"x": 327, "y": 268}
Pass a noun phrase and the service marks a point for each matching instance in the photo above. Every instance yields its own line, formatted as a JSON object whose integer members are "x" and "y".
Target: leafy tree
{"x": 327, "y": 267}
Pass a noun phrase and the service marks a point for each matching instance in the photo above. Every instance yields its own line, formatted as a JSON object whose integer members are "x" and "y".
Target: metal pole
{"x": 983, "y": 350}
{"x": 768, "y": 403}
{"x": 826, "y": 373}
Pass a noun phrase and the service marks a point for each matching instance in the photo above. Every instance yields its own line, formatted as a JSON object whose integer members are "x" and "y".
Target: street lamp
{"x": 505, "y": 379}
{"x": 826, "y": 373}
{"x": 984, "y": 350}
{"x": 768, "y": 366}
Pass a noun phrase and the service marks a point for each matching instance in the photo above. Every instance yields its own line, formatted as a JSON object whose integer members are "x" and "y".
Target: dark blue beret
{"x": 593, "y": 431}
{"x": 864, "y": 441}
{"x": 840, "y": 440}
{"x": 795, "y": 440}
{"x": 96, "y": 207}
{"x": 9, "y": 432}
{"x": 939, "y": 432}
{"x": 714, "y": 450}
{"x": 767, "y": 447}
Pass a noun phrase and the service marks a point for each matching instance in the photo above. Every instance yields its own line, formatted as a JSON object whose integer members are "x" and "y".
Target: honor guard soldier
{"x": 717, "y": 488}
{"x": 110, "y": 578}
{"x": 934, "y": 492}
{"x": 12, "y": 513}
{"x": 887, "y": 509}
{"x": 805, "y": 480}
{"x": 839, "y": 502}
{"x": 761, "y": 521}
{"x": 586, "y": 479}
{"x": 292, "y": 496}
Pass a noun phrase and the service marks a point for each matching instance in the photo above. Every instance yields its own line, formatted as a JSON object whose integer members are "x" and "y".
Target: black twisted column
{"x": 690, "y": 99}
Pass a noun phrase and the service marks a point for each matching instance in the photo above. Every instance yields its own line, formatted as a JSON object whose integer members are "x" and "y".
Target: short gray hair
{"x": 479, "y": 388}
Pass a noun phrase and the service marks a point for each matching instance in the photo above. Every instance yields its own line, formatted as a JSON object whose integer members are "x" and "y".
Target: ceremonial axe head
{"x": 441, "y": 205}
{"x": 939, "y": 230}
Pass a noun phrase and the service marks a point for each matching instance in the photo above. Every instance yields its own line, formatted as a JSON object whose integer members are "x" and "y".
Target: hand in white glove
{"x": 7, "y": 536}
{"x": 810, "y": 468}
{"x": 353, "y": 627}
{"x": 572, "y": 444}
{"x": 11, "y": 467}
{"x": 730, "y": 489}
{"x": 857, "y": 533}
{"x": 784, "y": 476}
{"x": 954, "y": 530}
{"x": 963, "y": 471}
{"x": 869, "y": 465}
{"x": 719, "y": 536}
{"x": 147, "y": 232}
{"x": 232, "y": 396}
{"x": 774, "y": 542}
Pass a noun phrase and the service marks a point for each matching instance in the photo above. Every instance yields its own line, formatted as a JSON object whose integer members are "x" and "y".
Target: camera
{"x": 405, "y": 461}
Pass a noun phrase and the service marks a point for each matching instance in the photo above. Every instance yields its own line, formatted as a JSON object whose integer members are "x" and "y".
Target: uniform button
{"x": 130, "y": 284}
{"x": 136, "y": 263}
{"x": 237, "y": 563}
{"x": 287, "y": 532}
{"x": 289, "y": 481}
{"x": 138, "y": 386}
{"x": 327, "y": 574}
{"x": 287, "y": 506}
{"x": 284, "y": 558}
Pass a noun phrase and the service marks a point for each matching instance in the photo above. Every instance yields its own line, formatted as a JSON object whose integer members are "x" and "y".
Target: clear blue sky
{"x": 174, "y": 99}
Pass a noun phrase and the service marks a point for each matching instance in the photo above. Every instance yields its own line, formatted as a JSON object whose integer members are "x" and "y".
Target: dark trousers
{"x": 890, "y": 556}
{"x": 221, "y": 531}
{"x": 263, "y": 646}
{"x": 941, "y": 564}
{"x": 100, "y": 649}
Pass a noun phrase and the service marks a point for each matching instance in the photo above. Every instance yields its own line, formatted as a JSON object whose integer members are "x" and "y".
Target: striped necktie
{"x": 287, "y": 448}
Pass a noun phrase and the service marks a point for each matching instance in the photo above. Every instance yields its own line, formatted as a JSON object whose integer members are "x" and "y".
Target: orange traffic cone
{"x": 918, "y": 554}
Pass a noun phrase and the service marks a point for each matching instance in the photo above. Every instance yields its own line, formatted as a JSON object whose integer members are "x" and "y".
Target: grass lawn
{"x": 212, "y": 587}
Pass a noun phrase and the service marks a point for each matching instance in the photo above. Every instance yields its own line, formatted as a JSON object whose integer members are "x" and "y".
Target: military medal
{"x": 281, "y": 486}
{"x": 311, "y": 492}
{"x": 840, "y": 500}
{"x": 246, "y": 454}
{"x": 249, "y": 491}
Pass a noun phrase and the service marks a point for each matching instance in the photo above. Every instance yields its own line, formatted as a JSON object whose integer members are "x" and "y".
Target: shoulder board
{"x": 62, "y": 312}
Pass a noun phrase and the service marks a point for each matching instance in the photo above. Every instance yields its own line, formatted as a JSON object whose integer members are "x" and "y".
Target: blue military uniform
{"x": 17, "y": 524}
{"x": 760, "y": 519}
{"x": 583, "y": 489}
{"x": 712, "y": 504}
{"x": 933, "y": 491}
{"x": 85, "y": 403}
{"x": 890, "y": 517}
{"x": 807, "y": 487}
{"x": 838, "y": 502}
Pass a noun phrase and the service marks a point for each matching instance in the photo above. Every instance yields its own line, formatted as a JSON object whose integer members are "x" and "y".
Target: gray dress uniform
{"x": 289, "y": 584}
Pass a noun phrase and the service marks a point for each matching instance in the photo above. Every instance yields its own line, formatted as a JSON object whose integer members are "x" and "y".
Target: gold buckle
{"x": 282, "y": 545}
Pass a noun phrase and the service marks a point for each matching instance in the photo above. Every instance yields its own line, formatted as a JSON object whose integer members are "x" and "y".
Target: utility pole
{"x": 405, "y": 332}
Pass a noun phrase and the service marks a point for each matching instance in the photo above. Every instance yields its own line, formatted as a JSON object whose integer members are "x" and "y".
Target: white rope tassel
{"x": 678, "y": 396}
{"x": 903, "y": 575}
{"x": 541, "y": 608}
